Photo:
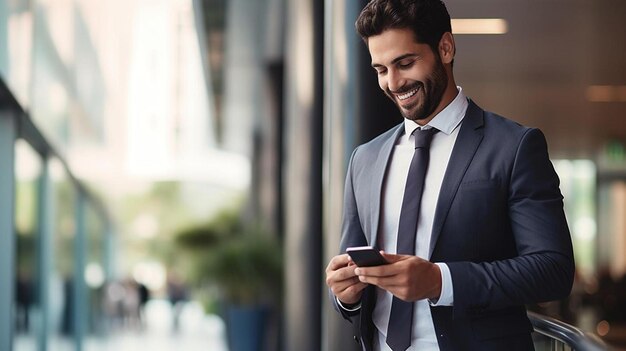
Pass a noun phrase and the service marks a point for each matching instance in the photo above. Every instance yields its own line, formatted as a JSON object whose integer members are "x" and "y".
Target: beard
{"x": 431, "y": 89}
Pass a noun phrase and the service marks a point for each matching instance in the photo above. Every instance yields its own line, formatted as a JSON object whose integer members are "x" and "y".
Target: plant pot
{"x": 246, "y": 327}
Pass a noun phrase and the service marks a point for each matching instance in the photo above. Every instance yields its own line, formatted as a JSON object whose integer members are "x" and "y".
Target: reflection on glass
{"x": 64, "y": 203}
{"x": 578, "y": 185}
{"x": 27, "y": 307}
{"x": 94, "y": 273}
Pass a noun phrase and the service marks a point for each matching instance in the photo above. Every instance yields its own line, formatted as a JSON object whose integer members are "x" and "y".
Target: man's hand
{"x": 342, "y": 280}
{"x": 409, "y": 278}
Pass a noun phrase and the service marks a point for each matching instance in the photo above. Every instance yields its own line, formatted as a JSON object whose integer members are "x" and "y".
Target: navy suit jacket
{"x": 499, "y": 226}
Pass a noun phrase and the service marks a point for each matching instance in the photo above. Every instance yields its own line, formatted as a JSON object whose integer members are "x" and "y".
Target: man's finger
{"x": 392, "y": 258}
{"x": 382, "y": 282}
{"x": 338, "y": 261}
{"x": 340, "y": 286}
{"x": 354, "y": 288}
{"x": 386, "y": 283}
{"x": 377, "y": 271}
{"x": 343, "y": 273}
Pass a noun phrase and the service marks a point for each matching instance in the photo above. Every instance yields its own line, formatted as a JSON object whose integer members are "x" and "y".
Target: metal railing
{"x": 560, "y": 336}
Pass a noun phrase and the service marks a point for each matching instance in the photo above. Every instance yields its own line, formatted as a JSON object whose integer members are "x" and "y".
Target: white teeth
{"x": 407, "y": 95}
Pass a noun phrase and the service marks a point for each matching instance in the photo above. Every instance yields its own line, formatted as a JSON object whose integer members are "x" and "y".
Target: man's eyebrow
{"x": 396, "y": 60}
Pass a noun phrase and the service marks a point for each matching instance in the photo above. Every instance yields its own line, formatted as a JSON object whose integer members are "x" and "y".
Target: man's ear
{"x": 447, "y": 48}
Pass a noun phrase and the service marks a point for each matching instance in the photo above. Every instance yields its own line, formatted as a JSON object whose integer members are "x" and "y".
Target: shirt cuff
{"x": 351, "y": 309}
{"x": 447, "y": 293}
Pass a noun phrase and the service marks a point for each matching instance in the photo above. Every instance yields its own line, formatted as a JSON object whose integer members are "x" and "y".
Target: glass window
{"x": 95, "y": 279}
{"x": 578, "y": 185}
{"x": 27, "y": 306}
{"x": 64, "y": 228}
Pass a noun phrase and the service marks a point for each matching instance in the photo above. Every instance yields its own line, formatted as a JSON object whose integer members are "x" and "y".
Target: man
{"x": 488, "y": 232}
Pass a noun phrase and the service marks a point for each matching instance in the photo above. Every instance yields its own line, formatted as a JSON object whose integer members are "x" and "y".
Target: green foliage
{"x": 163, "y": 202}
{"x": 242, "y": 260}
{"x": 26, "y": 256}
{"x": 26, "y": 203}
{"x": 248, "y": 269}
{"x": 209, "y": 235}
{"x": 64, "y": 226}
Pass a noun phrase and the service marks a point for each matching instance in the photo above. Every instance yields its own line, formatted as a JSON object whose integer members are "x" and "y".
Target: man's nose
{"x": 395, "y": 80}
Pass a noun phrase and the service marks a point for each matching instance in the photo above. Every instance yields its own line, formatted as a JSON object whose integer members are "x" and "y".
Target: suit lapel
{"x": 380, "y": 168}
{"x": 470, "y": 136}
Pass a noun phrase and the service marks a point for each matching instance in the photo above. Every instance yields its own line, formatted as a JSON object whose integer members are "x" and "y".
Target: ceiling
{"x": 538, "y": 73}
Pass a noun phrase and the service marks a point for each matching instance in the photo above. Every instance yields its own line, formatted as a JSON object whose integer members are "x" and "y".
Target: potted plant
{"x": 244, "y": 263}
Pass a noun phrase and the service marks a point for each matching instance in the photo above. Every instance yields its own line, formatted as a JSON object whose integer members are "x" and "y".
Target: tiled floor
{"x": 196, "y": 332}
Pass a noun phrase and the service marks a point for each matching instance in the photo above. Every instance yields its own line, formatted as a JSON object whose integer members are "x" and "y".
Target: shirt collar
{"x": 447, "y": 120}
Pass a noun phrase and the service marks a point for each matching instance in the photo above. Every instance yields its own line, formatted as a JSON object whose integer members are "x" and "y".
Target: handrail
{"x": 565, "y": 333}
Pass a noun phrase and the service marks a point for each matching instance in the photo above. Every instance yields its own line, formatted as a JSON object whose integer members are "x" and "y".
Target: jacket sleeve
{"x": 543, "y": 270}
{"x": 351, "y": 230}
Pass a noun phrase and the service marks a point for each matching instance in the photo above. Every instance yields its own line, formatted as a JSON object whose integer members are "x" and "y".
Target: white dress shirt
{"x": 423, "y": 336}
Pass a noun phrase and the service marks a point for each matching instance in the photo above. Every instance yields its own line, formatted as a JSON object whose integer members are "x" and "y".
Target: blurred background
{"x": 171, "y": 171}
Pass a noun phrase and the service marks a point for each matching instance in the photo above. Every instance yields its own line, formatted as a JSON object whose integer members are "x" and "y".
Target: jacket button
{"x": 356, "y": 340}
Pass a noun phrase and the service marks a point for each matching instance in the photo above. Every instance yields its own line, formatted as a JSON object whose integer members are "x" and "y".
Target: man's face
{"x": 409, "y": 73}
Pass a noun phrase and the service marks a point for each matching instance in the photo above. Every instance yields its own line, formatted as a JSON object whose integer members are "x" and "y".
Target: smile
{"x": 407, "y": 94}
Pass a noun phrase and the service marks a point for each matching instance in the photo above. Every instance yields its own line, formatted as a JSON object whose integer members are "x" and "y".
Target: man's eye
{"x": 405, "y": 64}
{"x": 381, "y": 71}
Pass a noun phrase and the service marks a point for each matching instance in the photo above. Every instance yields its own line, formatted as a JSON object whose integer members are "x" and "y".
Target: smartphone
{"x": 366, "y": 256}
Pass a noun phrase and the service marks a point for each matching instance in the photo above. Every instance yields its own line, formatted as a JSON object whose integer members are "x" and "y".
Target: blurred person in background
{"x": 24, "y": 300}
{"x": 483, "y": 234}
{"x": 112, "y": 303}
{"x": 131, "y": 304}
{"x": 177, "y": 295}
{"x": 144, "y": 296}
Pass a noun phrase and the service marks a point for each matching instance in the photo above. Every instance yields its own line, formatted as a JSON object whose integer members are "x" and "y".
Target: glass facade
{"x": 63, "y": 273}
{"x": 45, "y": 246}
{"x": 94, "y": 272}
{"x": 27, "y": 305}
{"x": 578, "y": 186}
{"x": 75, "y": 87}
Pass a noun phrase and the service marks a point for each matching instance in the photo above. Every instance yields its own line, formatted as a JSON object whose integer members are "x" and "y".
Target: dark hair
{"x": 428, "y": 19}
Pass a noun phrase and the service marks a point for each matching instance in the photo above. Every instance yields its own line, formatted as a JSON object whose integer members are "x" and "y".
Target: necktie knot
{"x": 423, "y": 137}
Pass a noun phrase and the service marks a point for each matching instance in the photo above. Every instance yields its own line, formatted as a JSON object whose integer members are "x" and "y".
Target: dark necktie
{"x": 401, "y": 318}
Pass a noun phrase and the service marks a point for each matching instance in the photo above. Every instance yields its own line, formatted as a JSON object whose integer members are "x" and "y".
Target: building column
{"x": 8, "y": 131}
{"x": 45, "y": 216}
{"x": 4, "y": 37}
{"x": 244, "y": 47}
{"x": 302, "y": 145}
{"x": 355, "y": 111}
{"x": 109, "y": 253}
{"x": 79, "y": 287}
